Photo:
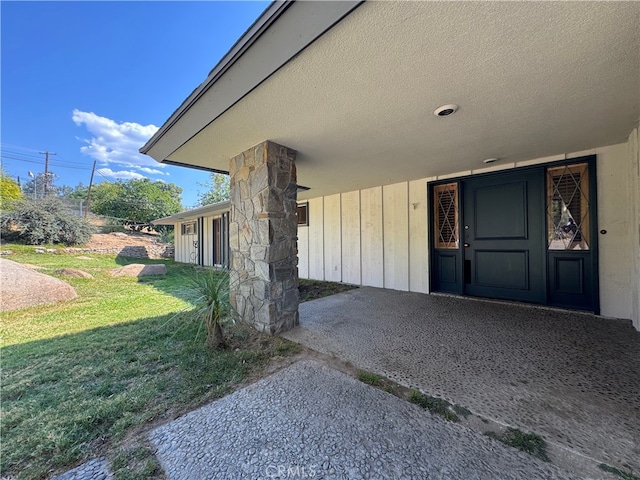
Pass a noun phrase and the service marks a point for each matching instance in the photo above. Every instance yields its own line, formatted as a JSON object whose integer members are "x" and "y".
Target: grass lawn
{"x": 88, "y": 377}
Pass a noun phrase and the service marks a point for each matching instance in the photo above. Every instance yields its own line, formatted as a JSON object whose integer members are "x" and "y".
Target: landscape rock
{"x": 22, "y": 287}
{"x": 45, "y": 250}
{"x": 139, "y": 270}
{"x": 73, "y": 273}
{"x": 6, "y": 252}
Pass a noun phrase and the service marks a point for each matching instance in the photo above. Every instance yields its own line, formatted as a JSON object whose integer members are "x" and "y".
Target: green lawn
{"x": 86, "y": 377}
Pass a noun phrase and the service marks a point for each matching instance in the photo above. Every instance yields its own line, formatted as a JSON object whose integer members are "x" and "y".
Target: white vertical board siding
{"x": 178, "y": 242}
{"x": 372, "y": 237}
{"x": 351, "y": 238}
{"x": 316, "y": 238}
{"x": 418, "y": 237}
{"x": 332, "y": 239}
{"x": 614, "y": 170}
{"x": 303, "y": 251}
{"x": 207, "y": 241}
{"x": 184, "y": 246}
{"x": 396, "y": 236}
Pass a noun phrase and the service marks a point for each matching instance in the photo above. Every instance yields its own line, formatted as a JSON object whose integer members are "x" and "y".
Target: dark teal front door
{"x": 503, "y": 236}
{"x": 528, "y": 235}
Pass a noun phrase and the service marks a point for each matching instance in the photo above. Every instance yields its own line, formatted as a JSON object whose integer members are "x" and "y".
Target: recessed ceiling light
{"x": 445, "y": 110}
{"x": 490, "y": 160}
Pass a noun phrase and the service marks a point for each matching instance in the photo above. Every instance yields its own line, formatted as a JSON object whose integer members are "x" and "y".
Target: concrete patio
{"x": 573, "y": 378}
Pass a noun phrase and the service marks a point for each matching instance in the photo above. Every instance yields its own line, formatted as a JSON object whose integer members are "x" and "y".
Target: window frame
{"x": 586, "y": 212}
{"x": 303, "y": 220}
{"x": 438, "y": 189}
{"x": 184, "y": 227}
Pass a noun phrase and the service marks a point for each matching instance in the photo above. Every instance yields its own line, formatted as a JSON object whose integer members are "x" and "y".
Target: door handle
{"x": 467, "y": 245}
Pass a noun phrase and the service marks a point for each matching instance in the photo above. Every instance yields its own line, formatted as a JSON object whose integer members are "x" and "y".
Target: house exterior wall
{"x": 185, "y": 252}
{"x": 379, "y": 236}
{"x": 614, "y": 197}
{"x": 371, "y": 237}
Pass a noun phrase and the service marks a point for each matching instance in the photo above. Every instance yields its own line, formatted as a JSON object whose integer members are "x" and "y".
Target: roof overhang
{"x": 195, "y": 213}
{"x": 353, "y": 90}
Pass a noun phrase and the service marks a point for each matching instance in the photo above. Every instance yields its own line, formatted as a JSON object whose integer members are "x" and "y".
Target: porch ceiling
{"x": 532, "y": 79}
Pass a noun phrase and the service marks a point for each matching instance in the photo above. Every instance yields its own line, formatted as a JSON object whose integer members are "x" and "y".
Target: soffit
{"x": 532, "y": 79}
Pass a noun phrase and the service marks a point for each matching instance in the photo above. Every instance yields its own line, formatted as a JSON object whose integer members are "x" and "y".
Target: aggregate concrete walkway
{"x": 96, "y": 469}
{"x": 309, "y": 421}
{"x": 573, "y": 378}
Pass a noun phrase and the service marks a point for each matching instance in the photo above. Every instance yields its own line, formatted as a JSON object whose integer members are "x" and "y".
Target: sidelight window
{"x": 568, "y": 207}
{"x": 446, "y": 215}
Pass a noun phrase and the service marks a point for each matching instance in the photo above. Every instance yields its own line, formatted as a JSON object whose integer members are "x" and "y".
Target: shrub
{"x": 166, "y": 233}
{"x": 209, "y": 291}
{"x": 42, "y": 222}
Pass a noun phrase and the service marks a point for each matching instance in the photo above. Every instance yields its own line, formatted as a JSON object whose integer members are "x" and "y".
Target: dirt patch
{"x": 121, "y": 240}
{"x": 133, "y": 244}
{"x": 312, "y": 289}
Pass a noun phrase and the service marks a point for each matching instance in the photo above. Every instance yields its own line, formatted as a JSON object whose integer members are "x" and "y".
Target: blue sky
{"x": 94, "y": 80}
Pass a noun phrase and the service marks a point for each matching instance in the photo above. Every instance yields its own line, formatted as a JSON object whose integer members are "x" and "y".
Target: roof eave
{"x": 194, "y": 213}
{"x": 266, "y": 19}
{"x": 310, "y": 26}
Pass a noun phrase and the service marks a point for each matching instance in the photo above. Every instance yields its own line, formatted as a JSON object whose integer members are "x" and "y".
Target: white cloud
{"x": 152, "y": 171}
{"x": 113, "y": 143}
{"x": 122, "y": 174}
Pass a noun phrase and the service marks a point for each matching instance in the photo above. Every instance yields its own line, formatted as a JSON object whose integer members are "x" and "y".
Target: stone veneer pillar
{"x": 263, "y": 237}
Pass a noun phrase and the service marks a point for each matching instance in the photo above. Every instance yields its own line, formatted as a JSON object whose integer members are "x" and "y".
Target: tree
{"x": 44, "y": 221}
{"x": 79, "y": 191}
{"x": 137, "y": 200}
{"x": 217, "y": 190}
{"x": 9, "y": 189}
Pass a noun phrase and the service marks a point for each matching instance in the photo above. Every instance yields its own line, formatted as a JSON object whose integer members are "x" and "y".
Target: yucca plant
{"x": 210, "y": 290}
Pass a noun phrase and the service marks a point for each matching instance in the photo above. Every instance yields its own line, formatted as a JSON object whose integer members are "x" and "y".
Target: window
{"x": 568, "y": 207}
{"x": 190, "y": 228}
{"x": 446, "y": 215}
{"x": 303, "y": 213}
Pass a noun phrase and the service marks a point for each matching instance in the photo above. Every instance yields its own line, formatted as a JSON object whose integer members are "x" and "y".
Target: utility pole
{"x": 46, "y": 170}
{"x": 86, "y": 210}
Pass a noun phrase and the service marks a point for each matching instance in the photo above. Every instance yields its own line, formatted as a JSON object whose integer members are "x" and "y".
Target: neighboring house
{"x": 201, "y": 235}
{"x": 528, "y": 191}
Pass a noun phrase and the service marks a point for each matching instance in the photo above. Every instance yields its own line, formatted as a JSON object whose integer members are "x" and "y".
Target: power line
{"x": 63, "y": 164}
{"x": 4, "y": 145}
{"x": 4, "y": 150}
{"x": 106, "y": 177}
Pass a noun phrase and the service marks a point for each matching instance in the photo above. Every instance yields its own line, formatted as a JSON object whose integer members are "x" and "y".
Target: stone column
{"x": 263, "y": 237}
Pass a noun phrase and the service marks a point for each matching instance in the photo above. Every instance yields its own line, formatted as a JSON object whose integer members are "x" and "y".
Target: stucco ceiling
{"x": 532, "y": 79}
